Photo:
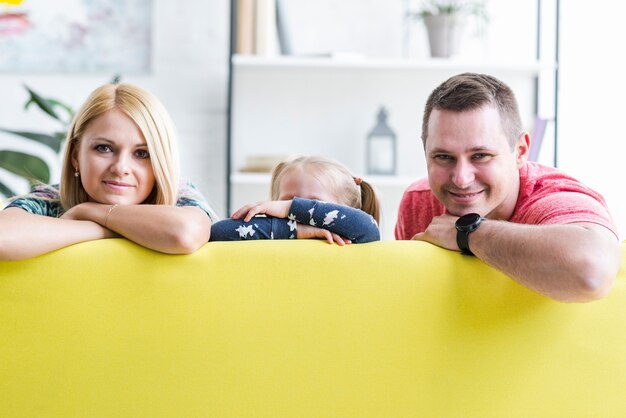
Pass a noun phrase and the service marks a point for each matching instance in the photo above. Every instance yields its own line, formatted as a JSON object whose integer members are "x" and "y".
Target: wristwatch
{"x": 465, "y": 225}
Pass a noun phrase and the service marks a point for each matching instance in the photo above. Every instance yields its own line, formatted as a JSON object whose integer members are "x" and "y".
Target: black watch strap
{"x": 462, "y": 240}
{"x": 465, "y": 225}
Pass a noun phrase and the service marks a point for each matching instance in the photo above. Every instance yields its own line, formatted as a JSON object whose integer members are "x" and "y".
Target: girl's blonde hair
{"x": 349, "y": 190}
{"x": 154, "y": 123}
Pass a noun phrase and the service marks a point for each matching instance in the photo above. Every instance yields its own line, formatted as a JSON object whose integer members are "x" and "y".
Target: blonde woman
{"x": 312, "y": 197}
{"x": 120, "y": 178}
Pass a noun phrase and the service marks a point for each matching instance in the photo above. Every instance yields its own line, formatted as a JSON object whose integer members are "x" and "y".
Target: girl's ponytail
{"x": 369, "y": 201}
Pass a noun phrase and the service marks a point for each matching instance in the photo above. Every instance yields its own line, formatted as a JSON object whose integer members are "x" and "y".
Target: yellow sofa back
{"x": 298, "y": 329}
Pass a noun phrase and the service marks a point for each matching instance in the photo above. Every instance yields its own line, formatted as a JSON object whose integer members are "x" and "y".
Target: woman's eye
{"x": 142, "y": 153}
{"x": 103, "y": 148}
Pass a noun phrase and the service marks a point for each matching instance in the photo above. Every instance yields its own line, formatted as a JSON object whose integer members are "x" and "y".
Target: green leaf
{"x": 24, "y": 165}
{"x": 52, "y": 141}
{"x": 116, "y": 79}
{"x": 6, "y": 191}
{"x": 60, "y": 136}
{"x": 66, "y": 108}
{"x": 44, "y": 104}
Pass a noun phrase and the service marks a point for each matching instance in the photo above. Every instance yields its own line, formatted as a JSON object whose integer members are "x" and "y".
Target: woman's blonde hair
{"x": 348, "y": 190}
{"x": 154, "y": 123}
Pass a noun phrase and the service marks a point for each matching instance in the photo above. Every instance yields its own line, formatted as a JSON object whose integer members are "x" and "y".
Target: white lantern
{"x": 381, "y": 147}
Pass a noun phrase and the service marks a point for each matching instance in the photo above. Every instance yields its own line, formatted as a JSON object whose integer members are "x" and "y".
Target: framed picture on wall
{"x": 77, "y": 36}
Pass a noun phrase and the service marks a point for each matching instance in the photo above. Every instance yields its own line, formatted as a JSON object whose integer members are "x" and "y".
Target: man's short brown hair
{"x": 469, "y": 91}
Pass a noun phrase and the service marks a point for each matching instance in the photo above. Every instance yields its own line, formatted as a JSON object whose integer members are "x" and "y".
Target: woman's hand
{"x": 308, "y": 232}
{"x": 90, "y": 211}
{"x": 275, "y": 208}
{"x": 75, "y": 213}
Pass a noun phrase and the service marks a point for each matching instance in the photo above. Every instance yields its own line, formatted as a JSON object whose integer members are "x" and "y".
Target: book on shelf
{"x": 245, "y": 21}
{"x": 257, "y": 30}
{"x": 536, "y": 137}
{"x": 265, "y": 163}
{"x": 266, "y": 41}
{"x": 284, "y": 41}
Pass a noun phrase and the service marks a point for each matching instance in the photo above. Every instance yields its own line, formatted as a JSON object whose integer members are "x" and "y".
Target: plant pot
{"x": 444, "y": 34}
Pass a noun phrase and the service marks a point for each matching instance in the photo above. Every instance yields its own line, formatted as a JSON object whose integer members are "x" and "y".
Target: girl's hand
{"x": 308, "y": 232}
{"x": 275, "y": 208}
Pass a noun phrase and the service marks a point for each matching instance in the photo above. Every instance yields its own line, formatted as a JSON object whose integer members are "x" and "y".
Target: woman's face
{"x": 113, "y": 160}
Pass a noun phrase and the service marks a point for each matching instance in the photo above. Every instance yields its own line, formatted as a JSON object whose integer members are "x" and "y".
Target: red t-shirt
{"x": 547, "y": 196}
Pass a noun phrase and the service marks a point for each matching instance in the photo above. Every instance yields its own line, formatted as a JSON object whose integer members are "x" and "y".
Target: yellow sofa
{"x": 298, "y": 329}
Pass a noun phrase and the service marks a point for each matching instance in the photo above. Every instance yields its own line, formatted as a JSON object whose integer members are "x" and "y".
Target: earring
{"x": 76, "y": 173}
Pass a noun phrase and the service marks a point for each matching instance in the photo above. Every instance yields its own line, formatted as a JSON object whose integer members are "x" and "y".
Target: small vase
{"x": 444, "y": 34}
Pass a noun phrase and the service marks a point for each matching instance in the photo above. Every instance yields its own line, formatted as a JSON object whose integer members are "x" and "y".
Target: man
{"x": 539, "y": 226}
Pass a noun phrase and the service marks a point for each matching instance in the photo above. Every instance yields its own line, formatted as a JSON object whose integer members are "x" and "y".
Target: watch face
{"x": 466, "y": 221}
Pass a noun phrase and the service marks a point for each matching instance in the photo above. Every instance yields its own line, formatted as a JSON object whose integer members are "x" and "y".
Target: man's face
{"x": 471, "y": 167}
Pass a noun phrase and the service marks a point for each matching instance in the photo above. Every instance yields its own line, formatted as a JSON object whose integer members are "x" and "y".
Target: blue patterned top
{"x": 45, "y": 200}
{"x": 347, "y": 222}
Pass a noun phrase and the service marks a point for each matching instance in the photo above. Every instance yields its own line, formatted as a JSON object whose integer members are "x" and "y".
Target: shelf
{"x": 264, "y": 179}
{"x": 352, "y": 62}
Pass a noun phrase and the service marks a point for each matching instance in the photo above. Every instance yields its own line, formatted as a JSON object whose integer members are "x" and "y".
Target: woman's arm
{"x": 168, "y": 229}
{"x": 352, "y": 224}
{"x": 26, "y": 235}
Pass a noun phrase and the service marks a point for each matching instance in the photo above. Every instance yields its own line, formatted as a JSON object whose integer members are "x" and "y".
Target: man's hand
{"x": 440, "y": 232}
{"x": 308, "y": 232}
{"x": 275, "y": 208}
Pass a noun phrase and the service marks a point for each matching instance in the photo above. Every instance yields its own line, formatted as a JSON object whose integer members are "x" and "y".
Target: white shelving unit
{"x": 327, "y": 105}
{"x": 356, "y": 62}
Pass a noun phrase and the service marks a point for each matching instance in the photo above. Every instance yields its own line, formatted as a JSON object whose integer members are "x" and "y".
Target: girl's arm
{"x": 259, "y": 227}
{"x": 168, "y": 229}
{"x": 350, "y": 223}
{"x": 268, "y": 227}
{"x": 25, "y": 235}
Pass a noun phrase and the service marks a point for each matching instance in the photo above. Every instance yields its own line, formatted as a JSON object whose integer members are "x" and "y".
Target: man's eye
{"x": 102, "y": 148}
{"x": 142, "y": 153}
{"x": 480, "y": 156}
{"x": 443, "y": 157}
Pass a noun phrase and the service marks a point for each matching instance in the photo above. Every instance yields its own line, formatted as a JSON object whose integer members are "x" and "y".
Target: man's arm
{"x": 570, "y": 263}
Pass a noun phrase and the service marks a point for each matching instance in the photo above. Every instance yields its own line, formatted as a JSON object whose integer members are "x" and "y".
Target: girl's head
{"x": 319, "y": 178}
{"x": 121, "y": 148}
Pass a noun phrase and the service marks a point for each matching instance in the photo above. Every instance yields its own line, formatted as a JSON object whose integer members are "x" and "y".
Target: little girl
{"x": 312, "y": 197}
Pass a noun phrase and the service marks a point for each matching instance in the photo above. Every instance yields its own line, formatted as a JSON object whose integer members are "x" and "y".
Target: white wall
{"x": 190, "y": 67}
{"x": 592, "y": 139}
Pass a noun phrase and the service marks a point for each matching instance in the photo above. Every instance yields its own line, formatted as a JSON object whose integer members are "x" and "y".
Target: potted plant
{"x": 31, "y": 167}
{"x": 445, "y": 22}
